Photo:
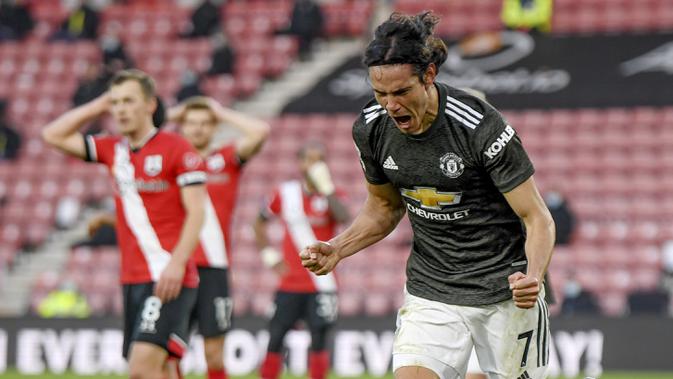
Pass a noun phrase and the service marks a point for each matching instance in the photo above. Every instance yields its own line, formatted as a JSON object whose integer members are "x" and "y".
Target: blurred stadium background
{"x": 592, "y": 101}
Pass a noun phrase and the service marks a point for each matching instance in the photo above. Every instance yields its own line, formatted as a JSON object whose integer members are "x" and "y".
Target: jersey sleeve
{"x": 231, "y": 157}
{"x": 188, "y": 166}
{"x": 99, "y": 149}
{"x": 372, "y": 169}
{"x": 500, "y": 151}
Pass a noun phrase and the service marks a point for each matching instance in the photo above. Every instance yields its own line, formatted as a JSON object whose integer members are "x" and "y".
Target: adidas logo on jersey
{"x": 524, "y": 375}
{"x": 390, "y": 164}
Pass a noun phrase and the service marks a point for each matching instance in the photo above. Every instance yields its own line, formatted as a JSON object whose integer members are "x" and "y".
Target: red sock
{"x": 318, "y": 364}
{"x": 271, "y": 366}
{"x": 217, "y": 374}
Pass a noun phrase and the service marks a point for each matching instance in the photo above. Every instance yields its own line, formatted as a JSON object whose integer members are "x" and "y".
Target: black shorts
{"x": 147, "y": 320}
{"x": 319, "y": 310}
{"x": 212, "y": 312}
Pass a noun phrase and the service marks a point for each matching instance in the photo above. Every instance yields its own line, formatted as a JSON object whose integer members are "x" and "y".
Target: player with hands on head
{"x": 199, "y": 119}
{"x": 483, "y": 236}
{"x": 310, "y": 210}
{"x": 160, "y": 196}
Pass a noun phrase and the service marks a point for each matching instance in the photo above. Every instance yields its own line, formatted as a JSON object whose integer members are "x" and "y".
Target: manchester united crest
{"x": 451, "y": 165}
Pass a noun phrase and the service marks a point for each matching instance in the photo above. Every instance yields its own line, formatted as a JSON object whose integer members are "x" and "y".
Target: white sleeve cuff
{"x": 192, "y": 177}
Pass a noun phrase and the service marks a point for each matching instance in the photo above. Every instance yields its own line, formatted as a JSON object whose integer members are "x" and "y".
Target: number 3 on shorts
{"x": 528, "y": 336}
{"x": 328, "y": 306}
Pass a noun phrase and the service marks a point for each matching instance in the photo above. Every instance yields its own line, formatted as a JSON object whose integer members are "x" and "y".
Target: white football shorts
{"x": 510, "y": 342}
{"x": 473, "y": 364}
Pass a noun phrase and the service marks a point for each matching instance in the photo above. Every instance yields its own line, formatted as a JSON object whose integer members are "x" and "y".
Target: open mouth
{"x": 403, "y": 121}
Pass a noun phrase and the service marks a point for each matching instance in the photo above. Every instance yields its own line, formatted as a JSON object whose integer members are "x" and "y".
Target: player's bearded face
{"x": 129, "y": 107}
{"x": 402, "y": 94}
{"x": 198, "y": 127}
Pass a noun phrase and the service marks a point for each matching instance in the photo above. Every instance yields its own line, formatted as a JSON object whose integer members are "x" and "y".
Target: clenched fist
{"x": 319, "y": 257}
{"x": 525, "y": 289}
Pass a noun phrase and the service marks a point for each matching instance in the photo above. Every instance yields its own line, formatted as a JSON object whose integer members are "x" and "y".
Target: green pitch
{"x": 613, "y": 375}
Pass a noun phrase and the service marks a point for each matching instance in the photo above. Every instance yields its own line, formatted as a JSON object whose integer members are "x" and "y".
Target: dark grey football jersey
{"x": 467, "y": 239}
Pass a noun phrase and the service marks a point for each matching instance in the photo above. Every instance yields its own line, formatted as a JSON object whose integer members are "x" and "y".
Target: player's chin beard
{"x": 126, "y": 128}
{"x": 200, "y": 146}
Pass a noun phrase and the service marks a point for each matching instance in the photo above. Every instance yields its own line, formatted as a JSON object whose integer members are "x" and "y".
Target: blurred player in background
{"x": 160, "y": 201}
{"x": 199, "y": 118}
{"x": 310, "y": 210}
{"x": 474, "y": 276}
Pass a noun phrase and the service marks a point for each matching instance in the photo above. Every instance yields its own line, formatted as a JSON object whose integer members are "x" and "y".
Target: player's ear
{"x": 152, "y": 104}
{"x": 430, "y": 74}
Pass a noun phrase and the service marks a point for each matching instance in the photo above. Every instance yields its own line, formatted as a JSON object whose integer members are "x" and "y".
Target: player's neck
{"x": 140, "y": 137}
{"x": 431, "y": 111}
{"x": 204, "y": 151}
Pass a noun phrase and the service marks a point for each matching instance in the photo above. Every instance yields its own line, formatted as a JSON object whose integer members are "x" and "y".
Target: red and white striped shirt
{"x": 150, "y": 214}
{"x": 306, "y": 218}
{"x": 224, "y": 169}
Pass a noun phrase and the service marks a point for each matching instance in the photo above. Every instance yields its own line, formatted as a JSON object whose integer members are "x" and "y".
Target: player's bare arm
{"x": 527, "y": 203}
{"x": 380, "y": 214}
{"x": 170, "y": 282}
{"x": 255, "y": 131}
{"x": 63, "y": 133}
{"x": 271, "y": 257}
{"x": 176, "y": 113}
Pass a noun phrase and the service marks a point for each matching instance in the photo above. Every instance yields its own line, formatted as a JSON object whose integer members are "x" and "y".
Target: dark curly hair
{"x": 405, "y": 39}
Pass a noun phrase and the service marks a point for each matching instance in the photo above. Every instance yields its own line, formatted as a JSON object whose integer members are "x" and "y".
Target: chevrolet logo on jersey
{"x": 430, "y": 198}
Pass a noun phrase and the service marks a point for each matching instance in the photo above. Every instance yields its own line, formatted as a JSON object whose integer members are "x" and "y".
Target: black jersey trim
{"x": 191, "y": 177}
{"x": 90, "y": 149}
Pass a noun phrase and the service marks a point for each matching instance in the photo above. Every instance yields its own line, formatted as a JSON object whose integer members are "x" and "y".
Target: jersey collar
{"x": 144, "y": 141}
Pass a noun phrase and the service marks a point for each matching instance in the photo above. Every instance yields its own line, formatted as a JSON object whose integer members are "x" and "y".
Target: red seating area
{"x": 609, "y": 163}
{"x": 151, "y": 36}
{"x": 342, "y": 18}
{"x": 570, "y": 16}
{"x": 96, "y": 274}
{"x": 611, "y": 166}
{"x": 150, "y": 28}
{"x": 39, "y": 79}
{"x": 31, "y": 190}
